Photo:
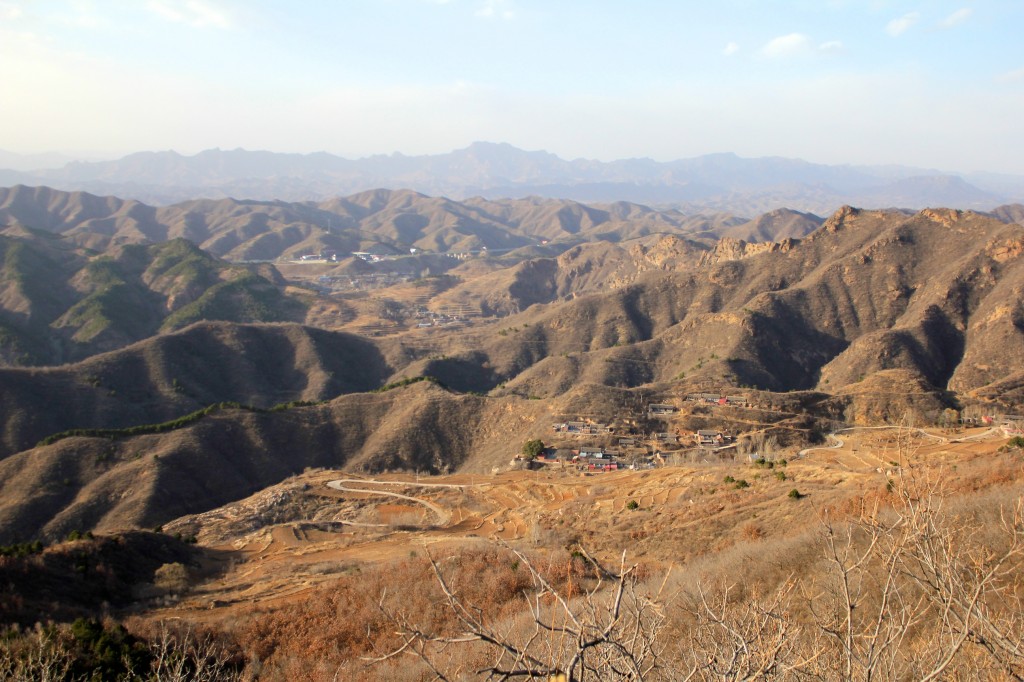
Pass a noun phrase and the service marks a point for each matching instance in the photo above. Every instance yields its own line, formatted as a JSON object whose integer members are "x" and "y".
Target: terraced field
{"x": 278, "y": 544}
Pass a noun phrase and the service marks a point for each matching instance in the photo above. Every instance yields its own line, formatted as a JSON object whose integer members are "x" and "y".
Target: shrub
{"x": 406, "y": 382}
{"x": 632, "y": 504}
{"x": 172, "y": 577}
{"x": 192, "y": 417}
{"x": 21, "y": 549}
{"x": 104, "y": 652}
{"x": 795, "y": 494}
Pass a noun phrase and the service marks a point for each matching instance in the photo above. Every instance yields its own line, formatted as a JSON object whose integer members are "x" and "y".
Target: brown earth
{"x": 876, "y": 314}
{"x": 290, "y": 539}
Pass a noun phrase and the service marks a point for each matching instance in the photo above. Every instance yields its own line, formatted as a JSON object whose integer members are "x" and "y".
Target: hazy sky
{"x": 929, "y": 83}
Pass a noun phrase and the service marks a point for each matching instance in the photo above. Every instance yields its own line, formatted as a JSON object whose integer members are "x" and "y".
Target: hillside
{"x": 272, "y": 571}
{"x": 931, "y": 293}
{"x": 60, "y": 302}
{"x": 147, "y": 480}
{"x": 859, "y": 296}
{"x": 170, "y": 375}
{"x": 773, "y": 226}
{"x": 874, "y": 315}
{"x": 380, "y": 221}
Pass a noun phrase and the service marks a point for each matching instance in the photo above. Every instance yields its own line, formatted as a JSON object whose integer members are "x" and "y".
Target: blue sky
{"x": 935, "y": 84}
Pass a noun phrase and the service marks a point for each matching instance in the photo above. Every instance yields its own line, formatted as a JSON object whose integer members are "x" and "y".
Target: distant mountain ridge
{"x": 724, "y": 182}
{"x": 382, "y": 221}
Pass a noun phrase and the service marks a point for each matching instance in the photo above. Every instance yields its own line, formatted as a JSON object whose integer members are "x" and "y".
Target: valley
{"x": 324, "y": 525}
{"x": 272, "y": 431}
{"x": 506, "y": 340}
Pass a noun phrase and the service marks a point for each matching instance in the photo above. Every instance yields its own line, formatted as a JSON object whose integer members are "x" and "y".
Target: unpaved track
{"x": 978, "y": 436}
{"x": 374, "y": 481}
{"x": 443, "y": 517}
{"x": 839, "y": 442}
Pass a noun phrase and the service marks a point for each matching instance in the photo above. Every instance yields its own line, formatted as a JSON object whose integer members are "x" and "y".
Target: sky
{"x": 933, "y": 83}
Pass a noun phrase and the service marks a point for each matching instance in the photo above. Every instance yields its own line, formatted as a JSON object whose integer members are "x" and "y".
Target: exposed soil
{"x": 681, "y": 513}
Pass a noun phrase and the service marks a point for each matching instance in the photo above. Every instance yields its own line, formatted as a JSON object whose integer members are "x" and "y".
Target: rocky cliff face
{"x": 729, "y": 249}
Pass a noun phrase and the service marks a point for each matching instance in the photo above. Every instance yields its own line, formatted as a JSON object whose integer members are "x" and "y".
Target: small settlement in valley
{"x": 588, "y": 445}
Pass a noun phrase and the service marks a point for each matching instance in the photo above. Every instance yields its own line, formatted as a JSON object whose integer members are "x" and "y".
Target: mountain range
{"x": 216, "y": 413}
{"x": 873, "y": 314}
{"x": 379, "y": 221}
{"x": 717, "y": 182}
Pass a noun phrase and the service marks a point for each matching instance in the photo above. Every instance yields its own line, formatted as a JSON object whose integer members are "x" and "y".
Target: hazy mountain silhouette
{"x": 720, "y": 181}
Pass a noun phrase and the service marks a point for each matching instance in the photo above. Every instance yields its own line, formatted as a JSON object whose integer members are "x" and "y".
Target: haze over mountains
{"x": 718, "y": 182}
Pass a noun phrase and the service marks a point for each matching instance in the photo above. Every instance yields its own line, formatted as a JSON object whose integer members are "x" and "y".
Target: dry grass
{"x": 288, "y": 608}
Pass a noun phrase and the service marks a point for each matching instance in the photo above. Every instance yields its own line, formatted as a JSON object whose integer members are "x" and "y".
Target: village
{"x": 592, "y": 446}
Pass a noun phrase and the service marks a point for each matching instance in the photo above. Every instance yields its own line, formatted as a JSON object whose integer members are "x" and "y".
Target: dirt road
{"x": 443, "y": 517}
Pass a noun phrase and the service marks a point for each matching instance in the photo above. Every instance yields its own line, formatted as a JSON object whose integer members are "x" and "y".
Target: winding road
{"x": 443, "y": 517}
{"x": 839, "y": 442}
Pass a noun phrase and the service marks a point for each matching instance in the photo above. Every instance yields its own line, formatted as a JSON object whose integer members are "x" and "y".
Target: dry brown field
{"x": 278, "y": 546}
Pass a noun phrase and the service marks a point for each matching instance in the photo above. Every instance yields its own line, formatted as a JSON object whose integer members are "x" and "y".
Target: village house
{"x": 707, "y": 437}
{"x": 658, "y": 409}
{"x": 643, "y": 463}
{"x": 582, "y": 428}
{"x": 596, "y": 459}
{"x": 1012, "y": 425}
{"x": 548, "y": 457}
{"x": 716, "y": 399}
{"x": 565, "y": 455}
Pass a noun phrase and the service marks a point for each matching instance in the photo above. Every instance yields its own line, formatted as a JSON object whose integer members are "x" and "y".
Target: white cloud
{"x": 496, "y": 9}
{"x": 786, "y": 45}
{"x": 956, "y": 18}
{"x": 831, "y": 46}
{"x": 898, "y": 27}
{"x": 197, "y": 13}
{"x": 731, "y": 49}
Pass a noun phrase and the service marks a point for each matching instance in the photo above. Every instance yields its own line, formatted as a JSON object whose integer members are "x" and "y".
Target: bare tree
{"x": 44, "y": 658}
{"x": 909, "y": 591}
{"x": 972, "y": 588}
{"x": 184, "y": 656}
{"x": 907, "y": 588}
{"x": 609, "y": 631}
{"x": 865, "y": 610}
{"x": 915, "y": 572}
{"x": 753, "y": 639}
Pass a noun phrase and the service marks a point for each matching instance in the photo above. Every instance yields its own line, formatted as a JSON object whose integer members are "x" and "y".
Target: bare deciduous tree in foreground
{"x": 908, "y": 590}
{"x": 609, "y": 631}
